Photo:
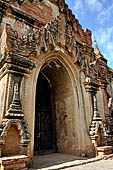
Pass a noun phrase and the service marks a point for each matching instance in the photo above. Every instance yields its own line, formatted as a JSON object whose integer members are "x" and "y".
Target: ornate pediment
{"x": 63, "y": 31}
{"x": 51, "y": 34}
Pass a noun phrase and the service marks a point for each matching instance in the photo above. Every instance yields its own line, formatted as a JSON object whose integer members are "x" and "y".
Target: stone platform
{"x": 46, "y": 162}
{"x": 14, "y": 163}
{"x": 59, "y": 161}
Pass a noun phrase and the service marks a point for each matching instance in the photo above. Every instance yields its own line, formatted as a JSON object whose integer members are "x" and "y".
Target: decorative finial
{"x": 97, "y": 51}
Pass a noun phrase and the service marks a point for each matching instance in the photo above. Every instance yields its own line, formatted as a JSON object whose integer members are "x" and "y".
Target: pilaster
{"x": 91, "y": 89}
{"x": 13, "y": 68}
{"x": 96, "y": 123}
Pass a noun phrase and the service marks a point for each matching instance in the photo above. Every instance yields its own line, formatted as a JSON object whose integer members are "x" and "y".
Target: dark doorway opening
{"x": 45, "y": 118}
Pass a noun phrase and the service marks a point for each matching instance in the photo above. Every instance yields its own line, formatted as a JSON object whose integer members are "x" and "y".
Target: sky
{"x": 96, "y": 15}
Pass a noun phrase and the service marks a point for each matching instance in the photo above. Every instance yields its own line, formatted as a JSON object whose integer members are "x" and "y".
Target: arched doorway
{"x": 54, "y": 109}
{"x": 45, "y": 129}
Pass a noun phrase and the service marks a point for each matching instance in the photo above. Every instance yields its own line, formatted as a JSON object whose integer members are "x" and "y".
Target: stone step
{"x": 104, "y": 150}
{"x": 18, "y": 162}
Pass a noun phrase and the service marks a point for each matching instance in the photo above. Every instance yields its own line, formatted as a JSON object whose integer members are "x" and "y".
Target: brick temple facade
{"x": 56, "y": 90}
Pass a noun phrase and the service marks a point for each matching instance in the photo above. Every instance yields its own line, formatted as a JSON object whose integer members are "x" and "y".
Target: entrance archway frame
{"x": 30, "y": 88}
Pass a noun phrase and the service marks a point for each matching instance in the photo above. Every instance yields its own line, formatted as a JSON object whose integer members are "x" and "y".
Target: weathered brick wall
{"x": 46, "y": 32}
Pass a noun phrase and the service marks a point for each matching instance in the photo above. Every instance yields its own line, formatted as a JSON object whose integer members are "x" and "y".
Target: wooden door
{"x": 44, "y": 127}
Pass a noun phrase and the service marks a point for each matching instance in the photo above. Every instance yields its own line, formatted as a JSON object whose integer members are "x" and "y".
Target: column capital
{"x": 91, "y": 86}
{"x": 16, "y": 64}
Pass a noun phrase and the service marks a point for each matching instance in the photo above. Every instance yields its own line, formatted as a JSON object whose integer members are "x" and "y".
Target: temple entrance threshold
{"x": 54, "y": 161}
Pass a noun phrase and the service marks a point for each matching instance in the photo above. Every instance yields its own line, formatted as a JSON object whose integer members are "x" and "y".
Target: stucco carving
{"x": 61, "y": 121}
{"x": 38, "y": 39}
{"x": 15, "y": 108}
